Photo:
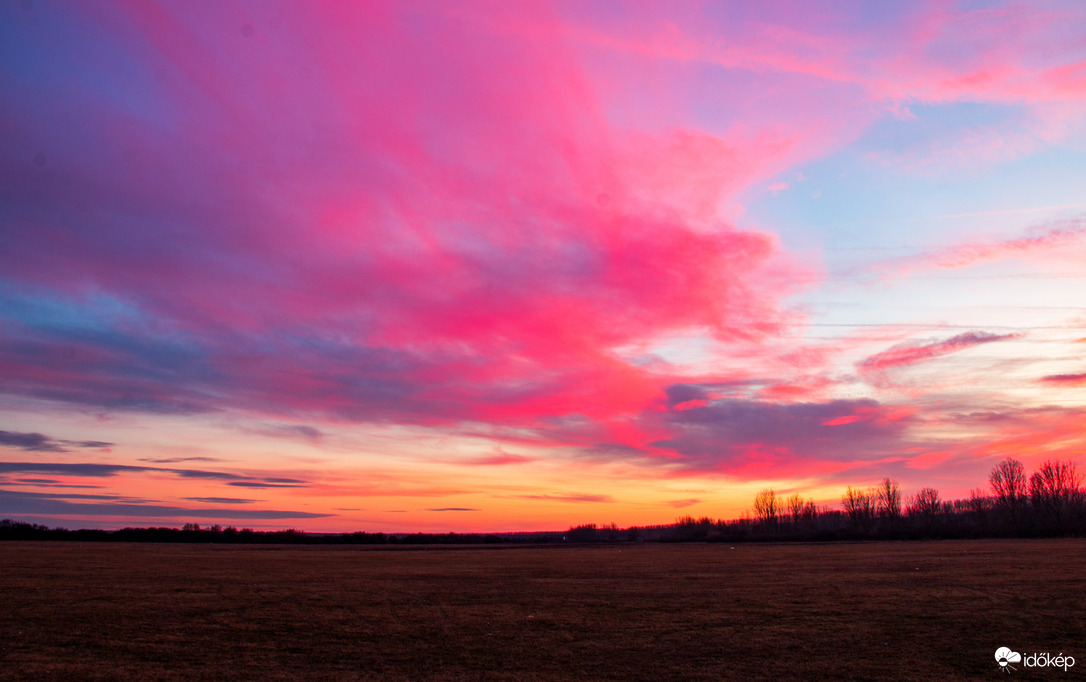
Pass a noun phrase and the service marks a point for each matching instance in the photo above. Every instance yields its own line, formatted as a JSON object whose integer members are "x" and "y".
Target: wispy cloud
{"x": 22, "y": 503}
{"x": 1047, "y": 235}
{"x": 569, "y": 497}
{"x": 499, "y": 458}
{"x": 913, "y": 352}
{"x": 682, "y": 504}
{"x": 36, "y": 442}
{"x": 46, "y": 483}
{"x": 96, "y": 470}
{"x": 1065, "y": 379}
{"x": 221, "y": 500}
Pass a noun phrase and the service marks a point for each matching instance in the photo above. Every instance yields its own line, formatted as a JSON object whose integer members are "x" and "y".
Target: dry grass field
{"x": 919, "y": 610}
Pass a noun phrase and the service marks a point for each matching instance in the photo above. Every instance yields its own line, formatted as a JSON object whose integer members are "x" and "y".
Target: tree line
{"x": 1049, "y": 502}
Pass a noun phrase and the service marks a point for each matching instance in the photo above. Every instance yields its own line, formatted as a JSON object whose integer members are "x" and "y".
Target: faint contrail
{"x": 946, "y": 216}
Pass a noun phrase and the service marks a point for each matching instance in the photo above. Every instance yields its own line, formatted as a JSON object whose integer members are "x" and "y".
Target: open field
{"x": 920, "y": 610}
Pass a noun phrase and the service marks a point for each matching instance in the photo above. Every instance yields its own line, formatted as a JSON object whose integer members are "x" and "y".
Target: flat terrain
{"x": 918, "y": 610}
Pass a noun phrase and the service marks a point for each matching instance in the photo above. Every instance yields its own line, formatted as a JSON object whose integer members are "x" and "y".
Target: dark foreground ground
{"x": 919, "y": 610}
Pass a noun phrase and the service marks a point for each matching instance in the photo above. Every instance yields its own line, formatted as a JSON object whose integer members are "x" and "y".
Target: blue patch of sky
{"x": 142, "y": 349}
{"x": 54, "y": 314}
{"x": 931, "y": 125}
{"x": 851, "y": 199}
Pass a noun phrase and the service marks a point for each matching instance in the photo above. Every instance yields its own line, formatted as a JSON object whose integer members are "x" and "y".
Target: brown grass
{"x": 931, "y": 610}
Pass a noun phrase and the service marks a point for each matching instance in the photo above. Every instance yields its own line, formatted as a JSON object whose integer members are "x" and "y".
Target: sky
{"x": 494, "y": 266}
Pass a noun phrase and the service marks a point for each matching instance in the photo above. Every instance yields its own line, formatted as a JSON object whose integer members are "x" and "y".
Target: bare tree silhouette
{"x": 1054, "y": 491}
{"x": 795, "y": 508}
{"x": 925, "y": 505}
{"x": 979, "y": 504}
{"x": 1008, "y": 482}
{"x": 767, "y": 507}
{"x": 860, "y": 506}
{"x": 889, "y": 499}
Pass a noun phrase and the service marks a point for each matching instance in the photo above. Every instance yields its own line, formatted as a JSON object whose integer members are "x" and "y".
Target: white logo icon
{"x": 1005, "y": 657}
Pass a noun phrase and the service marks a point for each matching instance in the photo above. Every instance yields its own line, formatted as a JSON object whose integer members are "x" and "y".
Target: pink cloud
{"x": 1068, "y": 80}
{"x": 1052, "y": 234}
{"x": 898, "y": 414}
{"x": 458, "y": 234}
{"x": 931, "y": 459}
{"x": 924, "y": 55}
{"x": 1031, "y": 435}
{"x": 690, "y": 404}
{"x": 911, "y": 353}
{"x": 682, "y": 504}
{"x": 841, "y": 421}
{"x": 498, "y": 459}
{"x": 1065, "y": 379}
